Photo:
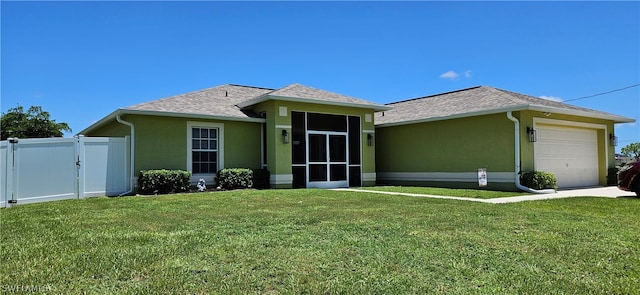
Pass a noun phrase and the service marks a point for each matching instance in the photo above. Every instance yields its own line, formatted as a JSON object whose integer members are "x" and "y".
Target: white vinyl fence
{"x": 48, "y": 169}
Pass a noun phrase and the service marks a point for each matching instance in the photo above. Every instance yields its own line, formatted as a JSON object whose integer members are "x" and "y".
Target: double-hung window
{"x": 205, "y": 141}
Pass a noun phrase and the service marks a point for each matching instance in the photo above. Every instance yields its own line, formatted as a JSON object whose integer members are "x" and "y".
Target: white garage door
{"x": 570, "y": 153}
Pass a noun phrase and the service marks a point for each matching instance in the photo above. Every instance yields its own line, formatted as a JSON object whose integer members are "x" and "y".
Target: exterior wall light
{"x": 613, "y": 140}
{"x": 370, "y": 139}
{"x": 285, "y": 136}
{"x": 532, "y": 134}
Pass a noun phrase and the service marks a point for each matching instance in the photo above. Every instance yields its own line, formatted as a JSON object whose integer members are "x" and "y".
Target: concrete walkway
{"x": 604, "y": 192}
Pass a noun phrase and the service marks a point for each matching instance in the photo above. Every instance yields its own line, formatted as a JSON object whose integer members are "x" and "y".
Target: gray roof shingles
{"x": 223, "y": 101}
{"x": 306, "y": 92}
{"x": 217, "y": 101}
{"x": 470, "y": 101}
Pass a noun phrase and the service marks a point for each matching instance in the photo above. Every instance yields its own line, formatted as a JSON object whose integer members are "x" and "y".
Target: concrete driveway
{"x": 604, "y": 192}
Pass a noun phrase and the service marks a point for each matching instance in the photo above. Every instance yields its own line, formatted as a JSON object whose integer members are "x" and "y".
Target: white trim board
{"x": 546, "y": 121}
{"x": 281, "y": 179}
{"x": 500, "y": 177}
{"x": 282, "y": 111}
{"x": 369, "y": 176}
{"x": 368, "y": 118}
{"x": 209, "y": 179}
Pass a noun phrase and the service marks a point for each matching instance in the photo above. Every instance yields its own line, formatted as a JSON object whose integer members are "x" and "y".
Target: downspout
{"x": 516, "y": 130}
{"x": 131, "y": 152}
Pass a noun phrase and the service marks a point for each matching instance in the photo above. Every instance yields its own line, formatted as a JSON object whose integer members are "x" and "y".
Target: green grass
{"x": 321, "y": 242}
{"x": 466, "y": 193}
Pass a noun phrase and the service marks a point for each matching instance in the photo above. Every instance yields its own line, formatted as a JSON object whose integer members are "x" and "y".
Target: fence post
{"x": 11, "y": 196}
{"x": 80, "y": 158}
{"x": 5, "y": 172}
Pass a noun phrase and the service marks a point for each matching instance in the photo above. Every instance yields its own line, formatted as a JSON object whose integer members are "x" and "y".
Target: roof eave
{"x": 101, "y": 122}
{"x": 267, "y": 97}
{"x": 579, "y": 113}
{"x": 117, "y": 112}
{"x": 456, "y": 116}
{"x": 614, "y": 118}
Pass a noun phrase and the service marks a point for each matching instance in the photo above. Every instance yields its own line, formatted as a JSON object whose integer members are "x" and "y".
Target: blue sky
{"x": 82, "y": 60}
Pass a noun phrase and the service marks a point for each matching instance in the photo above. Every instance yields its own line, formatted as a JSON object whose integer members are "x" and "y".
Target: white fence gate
{"x": 48, "y": 169}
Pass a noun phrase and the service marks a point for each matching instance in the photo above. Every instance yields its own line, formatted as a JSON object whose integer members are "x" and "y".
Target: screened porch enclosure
{"x": 326, "y": 150}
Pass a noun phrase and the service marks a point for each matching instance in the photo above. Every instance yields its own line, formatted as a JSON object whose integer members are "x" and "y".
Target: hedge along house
{"x": 305, "y": 137}
{"x": 445, "y": 139}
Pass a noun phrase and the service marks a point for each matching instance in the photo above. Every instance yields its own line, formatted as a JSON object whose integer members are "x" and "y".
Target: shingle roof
{"x": 302, "y": 93}
{"x": 218, "y": 101}
{"x": 475, "y": 101}
{"x": 231, "y": 101}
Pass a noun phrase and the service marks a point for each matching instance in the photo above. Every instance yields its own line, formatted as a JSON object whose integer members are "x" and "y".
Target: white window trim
{"x": 194, "y": 124}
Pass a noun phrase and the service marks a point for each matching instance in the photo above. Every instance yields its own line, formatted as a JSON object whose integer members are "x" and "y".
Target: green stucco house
{"x": 308, "y": 137}
{"x": 444, "y": 139}
{"x": 305, "y": 137}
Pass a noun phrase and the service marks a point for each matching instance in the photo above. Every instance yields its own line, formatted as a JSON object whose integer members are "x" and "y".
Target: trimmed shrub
{"x": 261, "y": 178}
{"x": 539, "y": 180}
{"x": 164, "y": 181}
{"x": 234, "y": 178}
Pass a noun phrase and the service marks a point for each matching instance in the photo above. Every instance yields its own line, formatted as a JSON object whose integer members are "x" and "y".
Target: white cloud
{"x": 450, "y": 75}
{"x": 552, "y": 98}
{"x": 453, "y": 75}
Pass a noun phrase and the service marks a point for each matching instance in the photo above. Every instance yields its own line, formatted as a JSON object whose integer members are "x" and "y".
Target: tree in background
{"x": 34, "y": 123}
{"x": 632, "y": 150}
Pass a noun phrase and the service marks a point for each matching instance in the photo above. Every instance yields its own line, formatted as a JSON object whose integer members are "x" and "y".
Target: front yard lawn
{"x": 465, "y": 193}
{"x": 321, "y": 242}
